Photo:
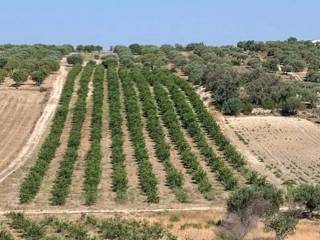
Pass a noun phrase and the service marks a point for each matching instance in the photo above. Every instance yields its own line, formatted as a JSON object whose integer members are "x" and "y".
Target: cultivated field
{"x": 107, "y": 140}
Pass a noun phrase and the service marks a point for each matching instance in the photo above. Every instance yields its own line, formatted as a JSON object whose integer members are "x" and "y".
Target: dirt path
{"x": 76, "y": 197}
{"x": 28, "y": 149}
{"x": 111, "y": 211}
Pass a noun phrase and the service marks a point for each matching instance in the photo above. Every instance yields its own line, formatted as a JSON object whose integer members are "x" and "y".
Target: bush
{"x": 38, "y": 76}
{"x": 307, "y": 195}
{"x": 3, "y": 62}
{"x": 136, "y": 49}
{"x": 3, "y": 75}
{"x": 232, "y": 106}
{"x": 290, "y": 106}
{"x": 75, "y": 59}
{"x": 282, "y": 224}
{"x": 110, "y": 60}
{"x": 313, "y": 76}
{"x": 20, "y": 76}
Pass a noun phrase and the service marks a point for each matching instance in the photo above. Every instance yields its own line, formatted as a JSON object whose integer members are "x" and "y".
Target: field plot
{"x": 288, "y": 147}
{"x": 19, "y": 112}
{"x": 25, "y": 115}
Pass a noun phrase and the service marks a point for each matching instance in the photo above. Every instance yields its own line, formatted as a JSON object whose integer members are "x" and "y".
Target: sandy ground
{"x": 24, "y": 119}
{"x": 289, "y": 147}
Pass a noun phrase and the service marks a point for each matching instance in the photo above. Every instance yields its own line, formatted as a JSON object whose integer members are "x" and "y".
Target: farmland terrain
{"x": 120, "y": 134}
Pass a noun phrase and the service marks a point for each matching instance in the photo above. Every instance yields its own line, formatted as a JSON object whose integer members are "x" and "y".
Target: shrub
{"x": 282, "y": 224}
{"x": 20, "y": 76}
{"x": 110, "y": 60}
{"x": 75, "y": 59}
{"x": 232, "y": 106}
{"x": 136, "y": 49}
{"x": 308, "y": 195}
{"x": 38, "y": 76}
{"x": 290, "y": 106}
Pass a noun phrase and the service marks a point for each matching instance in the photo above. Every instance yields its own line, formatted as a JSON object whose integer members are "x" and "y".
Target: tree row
{"x": 31, "y": 184}
{"x": 119, "y": 177}
{"x": 93, "y": 159}
{"x": 174, "y": 178}
{"x": 189, "y": 121}
{"x": 61, "y": 187}
{"x": 170, "y": 119}
{"x": 148, "y": 180}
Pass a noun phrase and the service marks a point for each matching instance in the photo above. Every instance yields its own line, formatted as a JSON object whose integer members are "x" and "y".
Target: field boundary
{"x": 110, "y": 211}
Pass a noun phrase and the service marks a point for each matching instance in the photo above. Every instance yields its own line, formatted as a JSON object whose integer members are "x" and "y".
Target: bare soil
{"x": 288, "y": 147}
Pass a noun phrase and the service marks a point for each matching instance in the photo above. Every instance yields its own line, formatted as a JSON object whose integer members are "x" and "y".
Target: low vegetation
{"x": 63, "y": 179}
{"x": 93, "y": 159}
{"x": 31, "y": 184}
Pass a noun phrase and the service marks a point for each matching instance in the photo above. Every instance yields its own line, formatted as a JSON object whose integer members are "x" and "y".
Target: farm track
{"x": 113, "y": 211}
{"x": 43, "y": 197}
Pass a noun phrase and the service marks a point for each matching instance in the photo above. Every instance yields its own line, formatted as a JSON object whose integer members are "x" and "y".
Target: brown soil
{"x": 288, "y": 147}
{"x": 25, "y": 124}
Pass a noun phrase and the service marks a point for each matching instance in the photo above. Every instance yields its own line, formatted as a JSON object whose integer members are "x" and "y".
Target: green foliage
{"x": 174, "y": 178}
{"x": 136, "y": 48}
{"x": 118, "y": 228}
{"x": 308, "y": 195}
{"x": 210, "y": 125}
{"x": 119, "y": 177}
{"x": 20, "y": 76}
{"x": 148, "y": 180}
{"x": 290, "y": 106}
{"x": 313, "y": 76}
{"x": 75, "y": 59}
{"x": 232, "y": 106}
{"x": 171, "y": 121}
{"x": 38, "y": 76}
{"x": 61, "y": 187}
{"x": 271, "y": 64}
{"x": 93, "y": 159}
{"x": 89, "y": 48}
{"x": 125, "y": 55}
{"x": 5, "y": 235}
{"x": 110, "y": 60}
{"x": 190, "y": 122}
{"x": 31, "y": 184}
{"x": 282, "y": 224}
{"x": 29, "y": 229}
{"x": 3, "y": 75}
{"x": 267, "y": 195}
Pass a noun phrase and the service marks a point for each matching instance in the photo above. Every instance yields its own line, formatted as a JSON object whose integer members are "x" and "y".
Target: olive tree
{"x": 75, "y": 59}
{"x": 19, "y": 76}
